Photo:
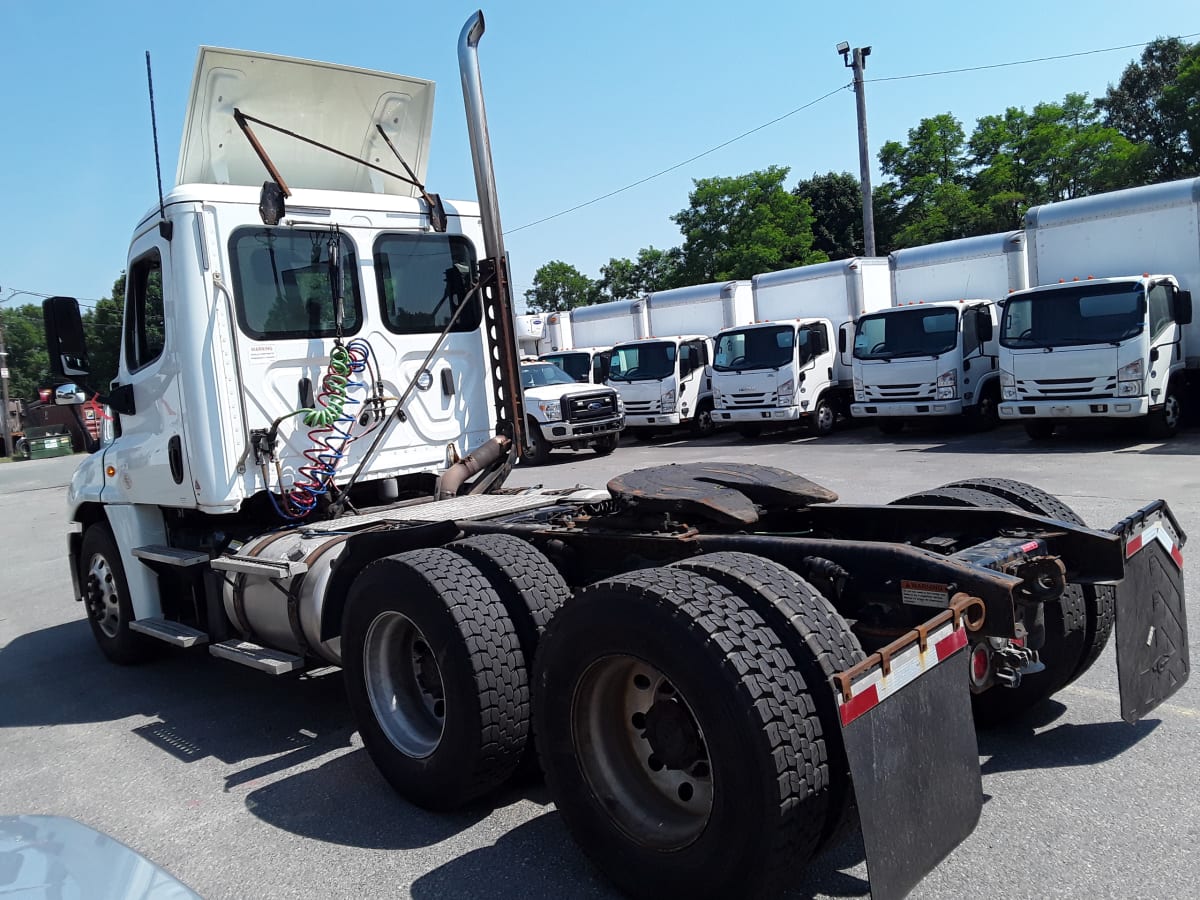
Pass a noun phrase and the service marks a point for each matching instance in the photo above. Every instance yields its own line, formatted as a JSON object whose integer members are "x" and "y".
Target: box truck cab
{"x": 896, "y": 376}
{"x": 586, "y": 365}
{"x": 1108, "y": 333}
{"x": 664, "y": 383}
{"x": 776, "y": 373}
{"x": 802, "y": 378}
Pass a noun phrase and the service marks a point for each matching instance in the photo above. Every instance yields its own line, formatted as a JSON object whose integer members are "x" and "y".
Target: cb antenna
{"x": 164, "y": 227}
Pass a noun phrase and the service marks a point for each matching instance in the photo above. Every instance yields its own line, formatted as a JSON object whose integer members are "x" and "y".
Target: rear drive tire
{"x": 1065, "y": 625}
{"x": 106, "y": 598}
{"x": 653, "y": 688}
{"x": 531, "y": 589}
{"x": 819, "y": 640}
{"x": 435, "y": 677}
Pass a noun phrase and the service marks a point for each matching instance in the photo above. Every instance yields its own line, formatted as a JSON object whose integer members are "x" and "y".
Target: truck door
{"x": 151, "y": 456}
{"x": 1166, "y": 351}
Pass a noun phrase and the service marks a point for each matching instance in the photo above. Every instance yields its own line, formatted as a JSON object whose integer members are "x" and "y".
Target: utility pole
{"x": 856, "y": 59}
{"x": 8, "y": 442}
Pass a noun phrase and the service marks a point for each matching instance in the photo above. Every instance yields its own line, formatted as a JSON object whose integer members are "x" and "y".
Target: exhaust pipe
{"x": 487, "y": 455}
{"x": 497, "y": 296}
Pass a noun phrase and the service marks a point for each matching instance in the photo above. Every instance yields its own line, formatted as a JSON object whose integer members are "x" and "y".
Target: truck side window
{"x": 423, "y": 279}
{"x": 1160, "y": 309}
{"x": 281, "y": 281}
{"x": 145, "y": 321}
{"x": 970, "y": 332}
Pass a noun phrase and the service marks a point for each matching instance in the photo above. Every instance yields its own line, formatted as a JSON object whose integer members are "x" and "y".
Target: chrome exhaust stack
{"x": 493, "y": 271}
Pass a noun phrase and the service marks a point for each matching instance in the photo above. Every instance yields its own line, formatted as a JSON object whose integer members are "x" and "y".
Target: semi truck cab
{"x": 1099, "y": 347}
{"x": 664, "y": 383}
{"x": 776, "y": 372}
{"x": 924, "y": 359}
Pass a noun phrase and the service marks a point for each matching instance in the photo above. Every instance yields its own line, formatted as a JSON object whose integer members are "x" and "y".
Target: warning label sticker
{"x": 925, "y": 593}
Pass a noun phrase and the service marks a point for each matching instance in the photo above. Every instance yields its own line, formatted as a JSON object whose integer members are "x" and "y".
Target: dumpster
{"x": 41, "y": 442}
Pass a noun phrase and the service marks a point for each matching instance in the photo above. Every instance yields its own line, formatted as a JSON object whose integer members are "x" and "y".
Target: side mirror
{"x": 983, "y": 326}
{"x": 69, "y": 395}
{"x": 842, "y": 340}
{"x": 66, "y": 343}
{"x": 1183, "y": 307}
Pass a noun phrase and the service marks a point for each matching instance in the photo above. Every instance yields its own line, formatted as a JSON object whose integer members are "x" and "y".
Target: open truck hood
{"x": 336, "y": 105}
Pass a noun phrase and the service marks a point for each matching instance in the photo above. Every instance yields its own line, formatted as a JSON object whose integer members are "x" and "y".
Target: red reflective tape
{"x": 1177, "y": 555}
{"x": 859, "y": 704}
{"x": 1030, "y": 547}
{"x": 1134, "y": 545}
{"x": 956, "y": 640}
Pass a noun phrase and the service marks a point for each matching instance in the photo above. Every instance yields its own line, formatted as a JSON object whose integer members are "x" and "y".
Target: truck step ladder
{"x": 245, "y": 653}
{"x": 170, "y": 556}
{"x": 175, "y": 633}
{"x": 263, "y": 568}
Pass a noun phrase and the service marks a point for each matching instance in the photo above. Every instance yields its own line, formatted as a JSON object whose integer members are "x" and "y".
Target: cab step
{"x": 175, "y": 633}
{"x": 273, "y": 662}
{"x": 170, "y": 556}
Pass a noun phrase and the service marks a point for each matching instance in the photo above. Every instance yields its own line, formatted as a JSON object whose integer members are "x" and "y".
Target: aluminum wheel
{"x": 103, "y": 600}
{"x": 404, "y": 684}
{"x": 640, "y": 745}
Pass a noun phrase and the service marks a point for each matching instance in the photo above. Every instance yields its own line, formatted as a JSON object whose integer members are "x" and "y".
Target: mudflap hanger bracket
{"x": 905, "y": 715}
{"x": 1152, "y": 637}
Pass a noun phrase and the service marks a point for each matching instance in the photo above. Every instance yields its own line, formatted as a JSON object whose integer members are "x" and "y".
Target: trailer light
{"x": 981, "y": 661}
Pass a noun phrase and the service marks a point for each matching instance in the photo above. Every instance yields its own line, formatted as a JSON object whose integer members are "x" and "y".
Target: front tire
{"x": 606, "y": 444}
{"x": 678, "y": 739}
{"x": 824, "y": 417}
{"x": 435, "y": 677}
{"x": 703, "y": 424}
{"x": 537, "y": 449}
{"x": 1164, "y": 422}
{"x": 106, "y": 598}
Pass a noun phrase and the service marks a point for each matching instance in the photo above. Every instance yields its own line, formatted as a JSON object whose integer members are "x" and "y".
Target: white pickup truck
{"x": 561, "y": 414}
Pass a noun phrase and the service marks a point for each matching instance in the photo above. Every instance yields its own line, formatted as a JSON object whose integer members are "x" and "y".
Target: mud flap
{"x": 914, "y": 760}
{"x": 1152, "y": 638}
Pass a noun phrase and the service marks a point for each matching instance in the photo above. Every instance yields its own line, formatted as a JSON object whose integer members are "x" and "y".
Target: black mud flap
{"x": 1152, "y": 638}
{"x": 910, "y": 741}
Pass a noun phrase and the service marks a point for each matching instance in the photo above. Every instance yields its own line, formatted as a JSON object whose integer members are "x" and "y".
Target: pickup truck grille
{"x": 1067, "y": 388}
{"x": 589, "y": 407}
{"x": 882, "y": 393}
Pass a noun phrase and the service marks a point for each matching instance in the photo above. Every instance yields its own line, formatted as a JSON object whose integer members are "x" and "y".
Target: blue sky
{"x": 582, "y": 99}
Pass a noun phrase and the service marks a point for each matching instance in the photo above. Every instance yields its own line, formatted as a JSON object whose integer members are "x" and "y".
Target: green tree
{"x": 618, "y": 281}
{"x": 1143, "y": 108}
{"x": 658, "y": 270}
{"x": 1181, "y": 102}
{"x": 102, "y": 326}
{"x": 25, "y": 341}
{"x": 558, "y": 286}
{"x": 836, "y": 201}
{"x": 736, "y": 227}
{"x": 1074, "y": 154}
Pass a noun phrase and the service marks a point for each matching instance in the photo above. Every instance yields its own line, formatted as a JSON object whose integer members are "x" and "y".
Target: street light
{"x": 856, "y": 59}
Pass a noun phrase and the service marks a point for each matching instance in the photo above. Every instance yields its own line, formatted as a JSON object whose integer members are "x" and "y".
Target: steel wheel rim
{"x": 641, "y": 749}
{"x": 824, "y": 417}
{"x": 404, "y": 685}
{"x": 705, "y": 420}
{"x": 104, "y": 601}
{"x": 1171, "y": 410}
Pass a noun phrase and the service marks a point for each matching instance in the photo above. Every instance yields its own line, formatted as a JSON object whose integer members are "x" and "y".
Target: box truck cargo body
{"x": 785, "y": 367}
{"x": 926, "y": 358}
{"x": 1108, "y": 332}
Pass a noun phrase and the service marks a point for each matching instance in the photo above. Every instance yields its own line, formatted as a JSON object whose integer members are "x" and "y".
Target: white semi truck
{"x": 665, "y": 379}
{"x": 935, "y": 352}
{"x": 786, "y": 367}
{"x": 317, "y": 403}
{"x": 1107, "y": 333}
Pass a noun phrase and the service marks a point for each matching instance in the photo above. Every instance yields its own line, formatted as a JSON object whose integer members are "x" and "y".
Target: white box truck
{"x": 691, "y": 634}
{"x": 935, "y": 352}
{"x": 530, "y": 333}
{"x": 1108, "y": 331}
{"x": 785, "y": 367}
{"x": 665, "y": 380}
{"x": 581, "y": 338}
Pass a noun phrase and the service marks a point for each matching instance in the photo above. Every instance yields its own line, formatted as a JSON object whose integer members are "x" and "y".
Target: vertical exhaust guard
{"x": 497, "y": 289}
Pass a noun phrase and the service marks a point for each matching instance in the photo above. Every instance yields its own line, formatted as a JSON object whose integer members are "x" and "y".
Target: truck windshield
{"x": 541, "y": 374}
{"x": 755, "y": 348}
{"x": 650, "y": 361}
{"x": 577, "y": 365}
{"x": 1074, "y": 315}
{"x": 908, "y": 332}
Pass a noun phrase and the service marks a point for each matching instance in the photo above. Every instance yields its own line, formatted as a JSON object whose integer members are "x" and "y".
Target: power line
{"x": 678, "y": 165}
{"x": 1020, "y": 62}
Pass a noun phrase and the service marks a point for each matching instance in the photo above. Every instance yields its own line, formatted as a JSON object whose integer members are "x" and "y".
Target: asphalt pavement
{"x": 245, "y": 785}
